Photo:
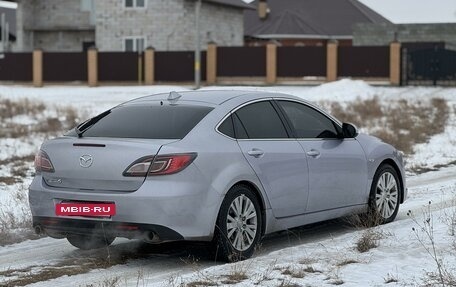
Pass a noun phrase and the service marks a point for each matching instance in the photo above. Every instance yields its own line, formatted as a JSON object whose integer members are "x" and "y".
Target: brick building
{"x": 383, "y": 34}
{"x": 126, "y": 25}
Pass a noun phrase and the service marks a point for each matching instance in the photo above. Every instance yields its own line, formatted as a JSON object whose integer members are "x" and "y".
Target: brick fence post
{"x": 271, "y": 63}
{"x": 211, "y": 64}
{"x": 149, "y": 66}
{"x": 37, "y": 68}
{"x": 331, "y": 61}
{"x": 395, "y": 63}
{"x": 92, "y": 67}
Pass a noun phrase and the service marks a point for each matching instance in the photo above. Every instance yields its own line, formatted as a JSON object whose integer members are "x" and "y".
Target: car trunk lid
{"x": 97, "y": 163}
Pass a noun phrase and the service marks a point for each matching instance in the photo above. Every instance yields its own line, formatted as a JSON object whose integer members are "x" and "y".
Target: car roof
{"x": 214, "y": 97}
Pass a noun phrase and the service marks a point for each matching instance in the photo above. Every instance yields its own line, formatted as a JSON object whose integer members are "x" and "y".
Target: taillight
{"x": 43, "y": 163}
{"x": 160, "y": 165}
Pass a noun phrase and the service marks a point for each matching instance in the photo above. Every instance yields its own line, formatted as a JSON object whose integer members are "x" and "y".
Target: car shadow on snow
{"x": 184, "y": 252}
{"x": 173, "y": 256}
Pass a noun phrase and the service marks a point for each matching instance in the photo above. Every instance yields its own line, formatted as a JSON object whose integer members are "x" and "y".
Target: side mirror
{"x": 349, "y": 130}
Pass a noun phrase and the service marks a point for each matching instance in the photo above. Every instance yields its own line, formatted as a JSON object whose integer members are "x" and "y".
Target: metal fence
{"x": 301, "y": 61}
{"x": 16, "y": 67}
{"x": 363, "y": 62}
{"x": 241, "y": 61}
{"x": 64, "y": 67}
{"x": 118, "y": 66}
{"x": 178, "y": 66}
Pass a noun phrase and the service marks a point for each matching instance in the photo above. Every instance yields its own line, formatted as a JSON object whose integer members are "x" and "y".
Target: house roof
{"x": 309, "y": 19}
{"x": 234, "y": 3}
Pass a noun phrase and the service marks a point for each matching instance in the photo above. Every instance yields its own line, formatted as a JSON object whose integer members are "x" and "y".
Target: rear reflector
{"x": 127, "y": 227}
{"x": 160, "y": 165}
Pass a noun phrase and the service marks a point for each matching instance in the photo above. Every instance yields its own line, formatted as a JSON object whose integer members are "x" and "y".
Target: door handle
{"x": 313, "y": 153}
{"x": 255, "y": 152}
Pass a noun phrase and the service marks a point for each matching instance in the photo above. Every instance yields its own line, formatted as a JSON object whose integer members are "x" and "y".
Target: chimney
{"x": 263, "y": 9}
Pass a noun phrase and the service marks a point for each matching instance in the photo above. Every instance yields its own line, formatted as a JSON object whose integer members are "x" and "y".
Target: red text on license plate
{"x": 85, "y": 209}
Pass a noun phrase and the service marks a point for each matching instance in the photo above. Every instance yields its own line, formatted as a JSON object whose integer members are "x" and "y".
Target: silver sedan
{"x": 225, "y": 167}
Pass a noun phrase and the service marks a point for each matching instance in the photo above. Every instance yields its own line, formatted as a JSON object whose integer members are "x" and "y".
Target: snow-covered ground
{"x": 328, "y": 248}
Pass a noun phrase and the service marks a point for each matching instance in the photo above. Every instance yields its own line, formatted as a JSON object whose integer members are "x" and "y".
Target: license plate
{"x": 85, "y": 209}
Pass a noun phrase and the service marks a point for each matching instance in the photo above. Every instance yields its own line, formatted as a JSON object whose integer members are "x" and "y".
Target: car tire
{"x": 88, "y": 242}
{"x": 237, "y": 233}
{"x": 385, "y": 196}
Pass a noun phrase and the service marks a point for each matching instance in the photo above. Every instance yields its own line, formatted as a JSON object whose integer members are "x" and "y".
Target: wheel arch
{"x": 393, "y": 164}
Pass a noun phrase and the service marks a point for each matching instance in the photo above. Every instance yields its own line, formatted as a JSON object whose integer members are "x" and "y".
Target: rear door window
{"x": 148, "y": 122}
{"x": 259, "y": 121}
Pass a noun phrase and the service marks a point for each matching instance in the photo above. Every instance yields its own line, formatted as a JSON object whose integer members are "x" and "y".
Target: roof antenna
{"x": 174, "y": 96}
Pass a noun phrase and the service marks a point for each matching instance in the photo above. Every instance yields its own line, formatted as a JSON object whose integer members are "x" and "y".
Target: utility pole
{"x": 197, "y": 45}
{"x": 4, "y": 36}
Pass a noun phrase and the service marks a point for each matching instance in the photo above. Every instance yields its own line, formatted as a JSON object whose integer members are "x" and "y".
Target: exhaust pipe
{"x": 151, "y": 237}
{"x": 39, "y": 230}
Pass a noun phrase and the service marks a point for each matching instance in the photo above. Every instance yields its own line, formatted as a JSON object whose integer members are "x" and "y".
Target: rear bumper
{"x": 61, "y": 227}
{"x": 176, "y": 207}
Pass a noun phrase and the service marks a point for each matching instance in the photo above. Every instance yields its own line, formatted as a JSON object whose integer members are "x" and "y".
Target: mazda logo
{"x": 85, "y": 160}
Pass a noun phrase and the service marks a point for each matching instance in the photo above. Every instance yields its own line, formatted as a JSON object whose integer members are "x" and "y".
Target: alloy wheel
{"x": 241, "y": 223}
{"x": 386, "y": 196}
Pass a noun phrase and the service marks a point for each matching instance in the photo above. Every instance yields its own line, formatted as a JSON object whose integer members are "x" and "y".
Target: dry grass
{"x": 235, "y": 277}
{"x": 9, "y": 109}
{"x": 8, "y": 180}
{"x": 286, "y": 283}
{"x": 293, "y": 271}
{"x": 24, "y": 119}
{"x": 368, "y": 240}
{"x": 238, "y": 272}
{"x": 307, "y": 261}
{"x": 14, "y": 228}
{"x": 21, "y": 167}
{"x": 109, "y": 282}
{"x": 432, "y": 279}
{"x": 70, "y": 266}
{"x": 364, "y": 220}
{"x": 337, "y": 282}
{"x": 425, "y": 234}
{"x": 200, "y": 284}
{"x": 390, "y": 278}
{"x": 347, "y": 262}
{"x": 402, "y": 124}
{"x": 65, "y": 119}
{"x": 310, "y": 269}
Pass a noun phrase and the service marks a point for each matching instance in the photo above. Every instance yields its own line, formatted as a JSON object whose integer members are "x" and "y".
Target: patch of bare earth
{"x": 100, "y": 259}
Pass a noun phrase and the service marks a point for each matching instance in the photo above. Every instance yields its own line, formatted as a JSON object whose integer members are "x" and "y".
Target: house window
{"x": 135, "y": 3}
{"x": 134, "y": 44}
{"x": 86, "y": 5}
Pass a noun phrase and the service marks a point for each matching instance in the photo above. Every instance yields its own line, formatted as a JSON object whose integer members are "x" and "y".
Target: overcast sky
{"x": 415, "y": 11}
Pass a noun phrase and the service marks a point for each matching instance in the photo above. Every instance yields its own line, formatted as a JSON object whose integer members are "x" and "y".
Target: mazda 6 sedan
{"x": 226, "y": 167}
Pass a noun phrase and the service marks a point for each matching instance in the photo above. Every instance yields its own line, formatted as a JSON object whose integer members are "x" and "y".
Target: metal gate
{"x": 431, "y": 66}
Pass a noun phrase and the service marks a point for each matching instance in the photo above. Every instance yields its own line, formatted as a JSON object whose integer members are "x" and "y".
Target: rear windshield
{"x": 148, "y": 122}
